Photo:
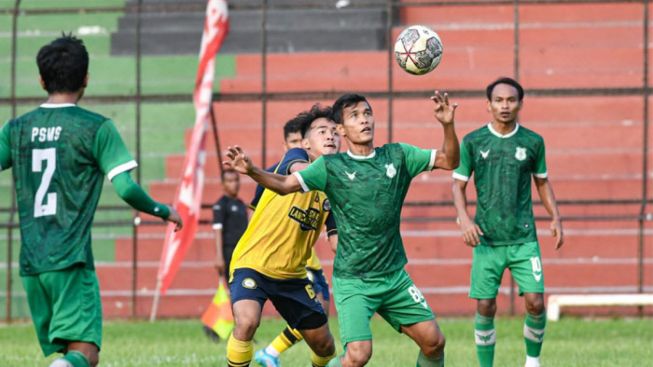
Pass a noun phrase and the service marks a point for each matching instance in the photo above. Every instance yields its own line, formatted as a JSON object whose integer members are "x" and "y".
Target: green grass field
{"x": 569, "y": 343}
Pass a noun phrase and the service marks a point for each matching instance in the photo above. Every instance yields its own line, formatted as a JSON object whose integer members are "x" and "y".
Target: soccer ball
{"x": 418, "y": 49}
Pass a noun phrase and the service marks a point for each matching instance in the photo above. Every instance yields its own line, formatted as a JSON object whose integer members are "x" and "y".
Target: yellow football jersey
{"x": 314, "y": 261}
{"x": 280, "y": 236}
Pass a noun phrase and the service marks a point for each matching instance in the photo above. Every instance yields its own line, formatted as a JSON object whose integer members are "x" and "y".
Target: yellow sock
{"x": 318, "y": 361}
{"x": 239, "y": 353}
{"x": 286, "y": 339}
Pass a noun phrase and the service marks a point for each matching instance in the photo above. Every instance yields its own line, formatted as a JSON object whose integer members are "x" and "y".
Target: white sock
{"x": 532, "y": 361}
{"x": 60, "y": 362}
{"x": 271, "y": 351}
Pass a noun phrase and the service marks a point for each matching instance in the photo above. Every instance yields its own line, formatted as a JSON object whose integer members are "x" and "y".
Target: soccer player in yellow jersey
{"x": 269, "y": 356}
{"x": 269, "y": 262}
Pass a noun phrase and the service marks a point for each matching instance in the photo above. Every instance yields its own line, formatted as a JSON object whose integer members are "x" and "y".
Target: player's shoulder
{"x": 479, "y": 133}
{"x": 530, "y": 134}
{"x": 90, "y": 116}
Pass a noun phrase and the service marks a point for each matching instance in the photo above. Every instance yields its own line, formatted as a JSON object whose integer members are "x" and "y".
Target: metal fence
{"x": 264, "y": 97}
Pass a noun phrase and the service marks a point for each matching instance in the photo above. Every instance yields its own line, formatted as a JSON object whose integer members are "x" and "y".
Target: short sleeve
{"x": 294, "y": 155}
{"x": 464, "y": 170}
{"x": 313, "y": 177}
{"x": 331, "y": 227}
{"x": 218, "y": 214}
{"x": 110, "y": 151}
{"x": 540, "y": 162}
{"x": 417, "y": 159}
{"x": 5, "y": 148}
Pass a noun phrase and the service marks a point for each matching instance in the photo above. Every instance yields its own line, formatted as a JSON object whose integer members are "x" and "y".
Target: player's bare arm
{"x": 470, "y": 230}
{"x": 448, "y": 156}
{"x": 333, "y": 241}
{"x": 545, "y": 191}
{"x": 240, "y": 161}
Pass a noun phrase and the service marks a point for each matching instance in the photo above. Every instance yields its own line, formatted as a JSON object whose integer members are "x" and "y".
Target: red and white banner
{"x": 188, "y": 199}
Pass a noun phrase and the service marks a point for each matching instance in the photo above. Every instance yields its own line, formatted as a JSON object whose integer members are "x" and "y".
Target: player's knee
{"x": 359, "y": 354}
{"x": 434, "y": 345}
{"x": 486, "y": 307}
{"x": 535, "y": 305}
{"x": 245, "y": 327}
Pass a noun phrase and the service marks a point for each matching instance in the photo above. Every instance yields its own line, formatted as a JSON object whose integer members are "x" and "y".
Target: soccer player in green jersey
{"x": 60, "y": 154}
{"x": 503, "y": 156}
{"x": 366, "y": 187}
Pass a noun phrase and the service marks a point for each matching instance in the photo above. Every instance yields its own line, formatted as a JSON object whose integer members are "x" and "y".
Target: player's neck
{"x": 61, "y": 98}
{"x": 362, "y": 150}
{"x": 504, "y": 128}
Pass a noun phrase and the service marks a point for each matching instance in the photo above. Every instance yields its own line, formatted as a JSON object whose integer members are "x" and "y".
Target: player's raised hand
{"x": 444, "y": 111}
{"x": 238, "y": 160}
{"x": 471, "y": 233}
{"x": 175, "y": 218}
{"x": 556, "y": 231}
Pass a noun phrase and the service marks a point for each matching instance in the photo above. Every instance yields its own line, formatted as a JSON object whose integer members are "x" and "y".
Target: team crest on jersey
{"x": 326, "y": 206}
{"x": 249, "y": 283}
{"x": 520, "y": 154}
{"x": 390, "y": 170}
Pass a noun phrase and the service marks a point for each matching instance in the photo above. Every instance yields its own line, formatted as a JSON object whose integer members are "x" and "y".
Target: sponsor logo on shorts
{"x": 249, "y": 283}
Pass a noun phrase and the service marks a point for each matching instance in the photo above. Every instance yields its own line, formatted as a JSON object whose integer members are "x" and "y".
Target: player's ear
{"x": 340, "y": 128}
{"x": 489, "y": 106}
{"x": 85, "y": 81}
{"x": 306, "y": 144}
{"x": 42, "y": 82}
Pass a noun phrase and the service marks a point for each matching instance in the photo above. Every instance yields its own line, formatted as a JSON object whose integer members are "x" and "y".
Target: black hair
{"x": 307, "y": 118}
{"x": 294, "y": 125}
{"x": 346, "y": 100}
{"x": 228, "y": 171}
{"x": 505, "y": 80}
{"x": 63, "y": 64}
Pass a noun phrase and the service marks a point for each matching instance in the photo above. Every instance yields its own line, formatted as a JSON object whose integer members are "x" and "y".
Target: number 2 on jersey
{"x": 44, "y": 206}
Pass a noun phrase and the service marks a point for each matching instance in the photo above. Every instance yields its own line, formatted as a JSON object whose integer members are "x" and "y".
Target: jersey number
{"x": 44, "y": 206}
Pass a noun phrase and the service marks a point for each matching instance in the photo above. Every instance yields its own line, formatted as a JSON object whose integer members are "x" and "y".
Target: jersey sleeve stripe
{"x": 301, "y": 182}
{"x": 121, "y": 168}
{"x": 434, "y": 153}
{"x": 460, "y": 177}
{"x": 541, "y": 175}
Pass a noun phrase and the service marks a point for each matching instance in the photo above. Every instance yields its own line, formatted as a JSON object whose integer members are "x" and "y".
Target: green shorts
{"x": 489, "y": 263}
{"x": 65, "y": 307}
{"x": 394, "y": 296}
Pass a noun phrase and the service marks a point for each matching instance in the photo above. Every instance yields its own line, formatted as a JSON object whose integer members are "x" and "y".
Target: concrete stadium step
{"x": 559, "y": 163}
{"x": 118, "y": 276}
{"x": 289, "y": 30}
{"x": 423, "y": 189}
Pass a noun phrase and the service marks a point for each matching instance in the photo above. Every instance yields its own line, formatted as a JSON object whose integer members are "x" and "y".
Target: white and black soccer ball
{"x": 418, "y": 50}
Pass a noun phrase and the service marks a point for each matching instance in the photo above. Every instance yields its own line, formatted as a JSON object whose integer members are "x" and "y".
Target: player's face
{"x": 293, "y": 140}
{"x": 231, "y": 184}
{"x": 358, "y": 123}
{"x": 505, "y": 104}
{"x": 322, "y": 138}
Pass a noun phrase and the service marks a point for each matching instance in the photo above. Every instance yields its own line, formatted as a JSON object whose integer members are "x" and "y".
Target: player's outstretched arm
{"x": 447, "y": 157}
{"x": 471, "y": 231}
{"x": 239, "y": 161}
{"x": 545, "y": 191}
{"x": 133, "y": 194}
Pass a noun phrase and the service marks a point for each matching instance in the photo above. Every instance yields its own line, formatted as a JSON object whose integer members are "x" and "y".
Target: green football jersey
{"x": 502, "y": 167}
{"x": 60, "y": 154}
{"x": 366, "y": 196}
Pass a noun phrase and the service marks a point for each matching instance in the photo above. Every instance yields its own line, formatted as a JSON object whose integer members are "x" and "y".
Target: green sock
{"x": 77, "y": 359}
{"x": 534, "y": 333}
{"x": 486, "y": 338}
{"x": 424, "y": 361}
